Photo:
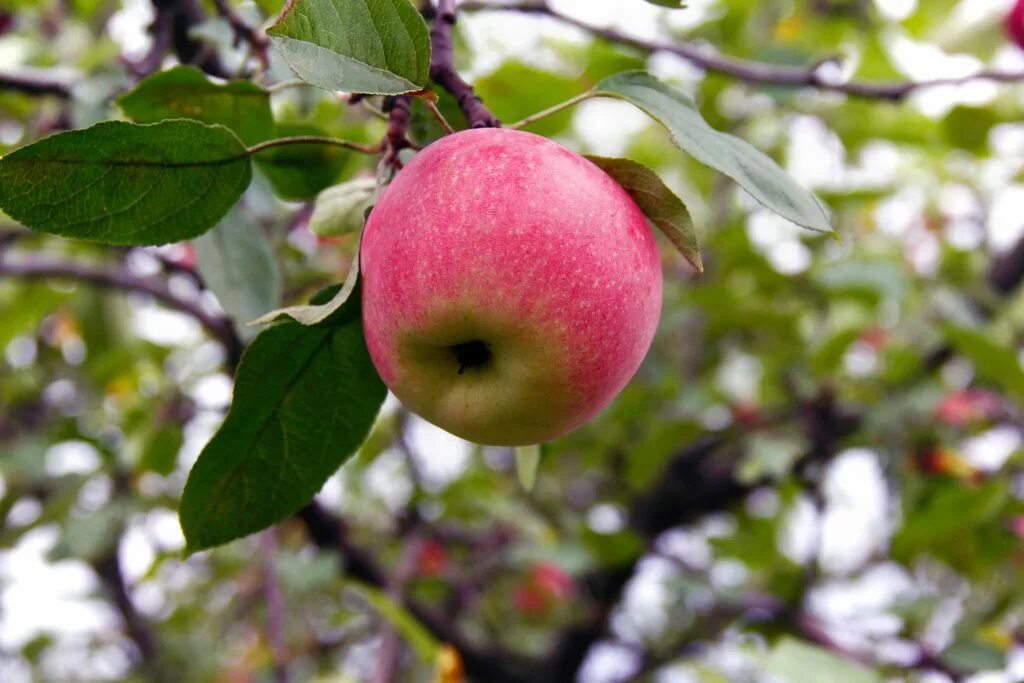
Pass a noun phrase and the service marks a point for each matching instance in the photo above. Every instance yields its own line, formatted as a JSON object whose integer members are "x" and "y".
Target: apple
{"x": 1015, "y": 23}
{"x": 510, "y": 288}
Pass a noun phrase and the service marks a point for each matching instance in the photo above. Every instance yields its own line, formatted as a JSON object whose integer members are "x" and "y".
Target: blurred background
{"x": 816, "y": 476}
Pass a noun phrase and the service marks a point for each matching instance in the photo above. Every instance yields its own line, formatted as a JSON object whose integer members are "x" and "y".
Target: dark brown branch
{"x": 442, "y": 69}
{"x": 751, "y": 71}
{"x": 182, "y": 16}
{"x": 108, "y": 568}
{"x": 395, "y": 138}
{"x": 220, "y": 327}
{"x": 256, "y": 39}
{"x": 36, "y": 82}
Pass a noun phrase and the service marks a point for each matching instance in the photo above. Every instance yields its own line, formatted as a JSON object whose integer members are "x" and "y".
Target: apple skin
{"x": 1015, "y": 23}
{"x": 510, "y": 288}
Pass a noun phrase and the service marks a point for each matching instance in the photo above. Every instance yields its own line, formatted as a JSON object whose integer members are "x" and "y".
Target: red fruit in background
{"x": 1015, "y": 23}
{"x": 529, "y": 601}
{"x": 961, "y": 407}
{"x": 545, "y": 587}
{"x": 746, "y": 414}
{"x": 1017, "y": 526}
{"x": 6, "y": 22}
{"x": 875, "y": 337}
{"x": 552, "y": 580}
{"x": 432, "y": 558}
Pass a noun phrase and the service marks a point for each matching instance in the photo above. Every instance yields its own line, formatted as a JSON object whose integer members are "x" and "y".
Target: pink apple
{"x": 510, "y": 287}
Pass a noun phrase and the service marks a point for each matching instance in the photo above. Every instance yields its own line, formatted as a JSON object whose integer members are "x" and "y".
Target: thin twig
{"x": 442, "y": 69}
{"x": 256, "y": 39}
{"x": 37, "y": 82}
{"x": 432, "y": 108}
{"x": 315, "y": 140}
{"x": 551, "y": 110}
{"x": 752, "y": 71}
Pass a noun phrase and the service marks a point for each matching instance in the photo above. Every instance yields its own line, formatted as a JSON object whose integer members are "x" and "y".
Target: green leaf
{"x": 994, "y": 362}
{"x": 304, "y": 400}
{"x": 317, "y": 312}
{"x": 527, "y": 461}
{"x": 184, "y": 92}
{"x": 794, "y": 661}
{"x": 411, "y": 630}
{"x": 238, "y": 265}
{"x": 752, "y": 169}
{"x": 341, "y": 209}
{"x": 672, "y": 4}
{"x": 300, "y": 172}
{"x": 124, "y": 183}
{"x": 972, "y": 655}
{"x": 368, "y": 46}
{"x": 661, "y": 206}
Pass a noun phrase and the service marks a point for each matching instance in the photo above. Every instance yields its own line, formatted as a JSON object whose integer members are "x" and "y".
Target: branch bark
{"x": 442, "y": 69}
{"x": 750, "y": 71}
{"x": 37, "y": 82}
{"x": 220, "y": 327}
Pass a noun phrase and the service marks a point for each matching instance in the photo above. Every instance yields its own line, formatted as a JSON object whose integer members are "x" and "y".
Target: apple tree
{"x": 511, "y": 341}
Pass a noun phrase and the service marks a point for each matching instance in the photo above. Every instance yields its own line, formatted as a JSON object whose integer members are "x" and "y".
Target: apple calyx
{"x": 471, "y": 354}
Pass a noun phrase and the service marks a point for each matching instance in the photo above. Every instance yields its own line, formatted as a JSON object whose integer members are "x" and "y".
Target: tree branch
{"x": 751, "y": 71}
{"x": 256, "y": 38}
{"x": 37, "y": 82}
{"x": 220, "y": 327}
{"x": 182, "y": 16}
{"x": 442, "y": 69}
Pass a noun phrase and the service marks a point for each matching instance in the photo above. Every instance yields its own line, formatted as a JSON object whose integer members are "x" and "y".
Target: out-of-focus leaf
{"x": 366, "y": 46}
{"x": 661, "y": 206}
{"x": 414, "y": 633}
{"x": 794, "y": 661}
{"x": 321, "y": 308}
{"x": 993, "y": 361}
{"x": 971, "y": 655}
{"x": 124, "y": 183}
{"x": 757, "y": 173}
{"x": 185, "y": 92}
{"x": 515, "y": 90}
{"x": 238, "y": 265}
{"x": 341, "y": 209}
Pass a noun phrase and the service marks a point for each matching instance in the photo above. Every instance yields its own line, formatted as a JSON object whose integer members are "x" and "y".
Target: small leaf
{"x": 527, "y": 461}
{"x": 661, "y": 206}
{"x": 304, "y": 400}
{"x": 368, "y": 46}
{"x": 300, "y": 172}
{"x": 184, "y": 92}
{"x": 315, "y": 312}
{"x": 757, "y": 173}
{"x": 123, "y": 183}
{"x": 994, "y": 362}
{"x": 340, "y": 210}
{"x": 671, "y": 4}
{"x": 238, "y": 265}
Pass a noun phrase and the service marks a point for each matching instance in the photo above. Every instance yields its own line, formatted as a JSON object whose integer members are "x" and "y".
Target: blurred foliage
{"x": 107, "y": 397}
